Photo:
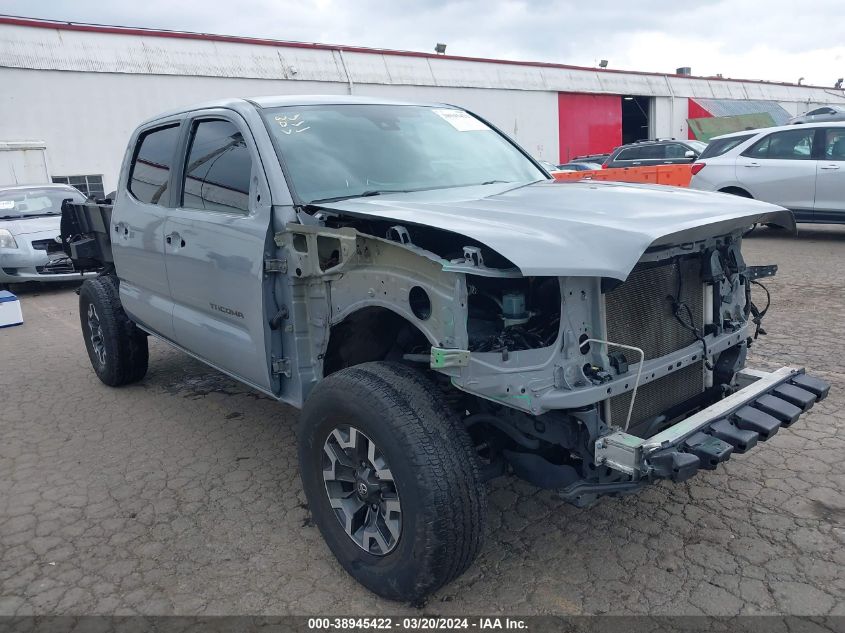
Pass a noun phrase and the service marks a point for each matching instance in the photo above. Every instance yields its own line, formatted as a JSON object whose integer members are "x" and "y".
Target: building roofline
{"x": 236, "y": 39}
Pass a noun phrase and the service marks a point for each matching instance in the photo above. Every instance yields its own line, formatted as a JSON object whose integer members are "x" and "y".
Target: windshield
{"x": 698, "y": 146}
{"x": 345, "y": 151}
{"x": 33, "y": 202}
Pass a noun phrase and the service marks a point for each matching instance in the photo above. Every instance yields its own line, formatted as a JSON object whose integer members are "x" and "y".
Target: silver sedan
{"x": 30, "y": 217}
{"x": 824, "y": 114}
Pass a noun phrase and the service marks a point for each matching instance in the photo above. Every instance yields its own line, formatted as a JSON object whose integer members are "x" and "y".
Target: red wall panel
{"x": 588, "y": 124}
{"x": 695, "y": 111}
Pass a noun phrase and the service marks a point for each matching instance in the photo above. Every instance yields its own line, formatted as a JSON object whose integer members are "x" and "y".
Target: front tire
{"x": 391, "y": 479}
{"x": 116, "y": 347}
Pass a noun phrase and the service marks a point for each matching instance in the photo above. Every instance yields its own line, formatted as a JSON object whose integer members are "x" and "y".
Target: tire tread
{"x": 443, "y": 459}
{"x": 129, "y": 353}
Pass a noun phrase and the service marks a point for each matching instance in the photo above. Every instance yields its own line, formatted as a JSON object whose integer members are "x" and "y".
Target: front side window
{"x": 652, "y": 152}
{"x": 676, "y": 150}
{"x": 834, "y": 144}
{"x": 789, "y": 145}
{"x": 218, "y": 169}
{"x": 150, "y": 172}
{"x": 348, "y": 150}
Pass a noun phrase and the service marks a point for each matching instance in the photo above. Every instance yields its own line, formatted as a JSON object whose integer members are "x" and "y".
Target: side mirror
{"x": 689, "y": 154}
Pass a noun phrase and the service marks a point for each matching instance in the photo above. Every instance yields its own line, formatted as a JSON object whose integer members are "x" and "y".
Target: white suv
{"x": 801, "y": 168}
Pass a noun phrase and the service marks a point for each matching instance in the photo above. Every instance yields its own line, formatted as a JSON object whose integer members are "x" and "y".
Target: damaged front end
{"x": 582, "y": 383}
{"x": 644, "y": 380}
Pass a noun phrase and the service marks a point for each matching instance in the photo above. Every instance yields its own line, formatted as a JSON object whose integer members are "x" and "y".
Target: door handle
{"x": 752, "y": 164}
{"x": 830, "y": 166}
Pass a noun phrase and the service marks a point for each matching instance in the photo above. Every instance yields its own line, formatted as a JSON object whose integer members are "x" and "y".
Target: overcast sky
{"x": 779, "y": 40}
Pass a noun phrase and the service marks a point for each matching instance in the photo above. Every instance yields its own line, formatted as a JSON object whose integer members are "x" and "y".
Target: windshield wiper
{"x": 24, "y": 216}
{"x": 364, "y": 194}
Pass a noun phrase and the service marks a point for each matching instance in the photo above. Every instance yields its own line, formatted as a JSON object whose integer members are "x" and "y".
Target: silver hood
{"x": 571, "y": 228}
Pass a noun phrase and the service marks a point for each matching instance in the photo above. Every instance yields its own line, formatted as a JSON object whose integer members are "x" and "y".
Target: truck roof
{"x": 236, "y": 103}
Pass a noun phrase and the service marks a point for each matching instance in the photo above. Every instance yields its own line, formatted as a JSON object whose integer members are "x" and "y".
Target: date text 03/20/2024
{"x": 413, "y": 624}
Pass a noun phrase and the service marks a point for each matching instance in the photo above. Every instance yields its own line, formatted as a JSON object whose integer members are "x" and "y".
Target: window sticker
{"x": 291, "y": 124}
{"x": 7, "y": 204}
{"x": 460, "y": 120}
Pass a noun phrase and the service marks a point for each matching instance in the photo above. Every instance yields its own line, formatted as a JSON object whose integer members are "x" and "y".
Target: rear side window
{"x": 790, "y": 145}
{"x": 150, "y": 171}
{"x": 723, "y": 145}
{"x": 218, "y": 169}
{"x": 631, "y": 153}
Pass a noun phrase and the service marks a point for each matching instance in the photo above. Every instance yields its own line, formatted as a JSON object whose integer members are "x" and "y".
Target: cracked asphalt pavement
{"x": 180, "y": 494}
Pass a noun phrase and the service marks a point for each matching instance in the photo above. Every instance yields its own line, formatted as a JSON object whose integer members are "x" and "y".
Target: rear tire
{"x": 116, "y": 347}
{"x": 429, "y": 475}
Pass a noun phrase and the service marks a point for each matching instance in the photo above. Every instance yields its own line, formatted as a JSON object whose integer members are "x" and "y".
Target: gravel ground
{"x": 180, "y": 494}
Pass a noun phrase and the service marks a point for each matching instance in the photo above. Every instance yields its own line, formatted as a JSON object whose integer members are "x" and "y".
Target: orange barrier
{"x": 671, "y": 175}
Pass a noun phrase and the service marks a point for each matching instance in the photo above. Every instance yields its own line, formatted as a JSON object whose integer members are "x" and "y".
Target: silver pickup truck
{"x": 441, "y": 310}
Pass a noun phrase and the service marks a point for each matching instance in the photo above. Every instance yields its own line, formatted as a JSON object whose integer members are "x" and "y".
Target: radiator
{"x": 639, "y": 313}
{"x": 659, "y": 395}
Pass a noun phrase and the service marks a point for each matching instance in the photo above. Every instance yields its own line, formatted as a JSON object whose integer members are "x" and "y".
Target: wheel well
{"x": 736, "y": 191}
{"x": 372, "y": 334}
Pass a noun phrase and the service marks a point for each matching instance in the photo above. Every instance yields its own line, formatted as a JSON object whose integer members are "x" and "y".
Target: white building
{"x": 82, "y": 89}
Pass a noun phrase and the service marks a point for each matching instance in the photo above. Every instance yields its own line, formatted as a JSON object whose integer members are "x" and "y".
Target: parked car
{"x": 802, "y": 169}
{"x": 825, "y": 114}
{"x": 442, "y": 311}
{"x": 578, "y": 166}
{"x": 659, "y": 152}
{"x": 29, "y": 227}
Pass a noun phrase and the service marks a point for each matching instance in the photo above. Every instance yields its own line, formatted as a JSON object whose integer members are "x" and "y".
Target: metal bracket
{"x": 275, "y": 266}
{"x": 399, "y": 234}
{"x": 441, "y": 358}
{"x": 619, "y": 451}
{"x": 281, "y": 366}
{"x": 756, "y": 272}
{"x": 472, "y": 256}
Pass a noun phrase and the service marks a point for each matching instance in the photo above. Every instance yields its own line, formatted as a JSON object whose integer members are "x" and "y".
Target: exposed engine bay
{"x": 516, "y": 315}
{"x": 547, "y": 366}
